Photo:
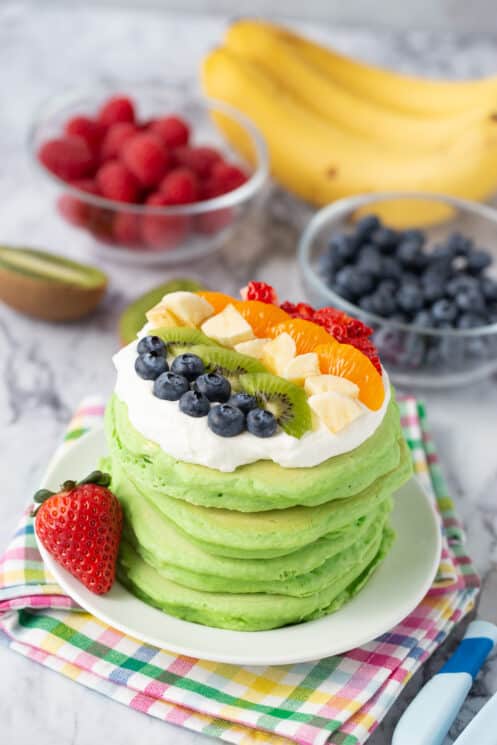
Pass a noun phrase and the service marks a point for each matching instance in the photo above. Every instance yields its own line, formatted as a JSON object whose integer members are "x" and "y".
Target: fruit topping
{"x": 347, "y": 362}
{"x": 150, "y": 365}
{"x": 226, "y": 421}
{"x": 227, "y": 327}
{"x": 326, "y": 383}
{"x": 188, "y": 365}
{"x": 301, "y": 366}
{"x": 188, "y": 308}
{"x": 306, "y": 334}
{"x": 170, "y": 386}
{"x": 252, "y": 348}
{"x": 260, "y": 291}
{"x": 227, "y": 363}
{"x": 286, "y": 401}
{"x": 243, "y": 401}
{"x": 80, "y": 526}
{"x": 214, "y": 386}
{"x": 151, "y": 344}
{"x": 336, "y": 411}
{"x": 278, "y": 353}
{"x": 179, "y": 339}
{"x": 195, "y": 404}
{"x": 261, "y": 422}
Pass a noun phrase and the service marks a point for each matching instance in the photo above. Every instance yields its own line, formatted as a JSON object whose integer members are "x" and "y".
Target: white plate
{"x": 393, "y": 592}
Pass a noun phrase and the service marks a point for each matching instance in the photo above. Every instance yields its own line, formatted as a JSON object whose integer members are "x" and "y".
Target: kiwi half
{"x": 133, "y": 317}
{"x": 228, "y": 363}
{"x": 282, "y": 398}
{"x": 181, "y": 339}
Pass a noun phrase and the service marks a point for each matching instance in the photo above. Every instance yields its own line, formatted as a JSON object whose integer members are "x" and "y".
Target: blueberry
{"x": 470, "y": 299}
{"x": 354, "y": 281}
{"x": 489, "y": 288}
{"x": 261, "y": 423}
{"x": 243, "y": 401}
{"x": 444, "y": 311}
{"x": 151, "y": 344}
{"x": 459, "y": 244}
{"x": 410, "y": 255}
{"x": 329, "y": 264}
{"x": 343, "y": 246}
{"x": 188, "y": 365}
{"x": 460, "y": 283}
{"x": 367, "y": 303}
{"x": 383, "y": 304}
{"x": 477, "y": 261}
{"x": 470, "y": 321}
{"x": 410, "y": 297}
{"x": 150, "y": 365}
{"x": 433, "y": 290}
{"x": 443, "y": 251}
{"x": 214, "y": 386}
{"x": 414, "y": 235}
{"x": 391, "y": 268}
{"x": 387, "y": 285}
{"x": 170, "y": 387}
{"x": 226, "y": 421}
{"x": 370, "y": 261}
{"x": 367, "y": 225}
{"x": 194, "y": 404}
{"x": 385, "y": 238}
{"x": 423, "y": 318}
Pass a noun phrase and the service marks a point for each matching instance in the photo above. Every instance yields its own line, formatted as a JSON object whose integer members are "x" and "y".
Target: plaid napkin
{"x": 339, "y": 700}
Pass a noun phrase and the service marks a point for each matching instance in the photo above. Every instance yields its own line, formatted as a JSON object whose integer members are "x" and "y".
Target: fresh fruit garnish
{"x": 190, "y": 366}
{"x": 261, "y": 316}
{"x": 173, "y": 130}
{"x": 228, "y": 327}
{"x": 214, "y": 386}
{"x": 243, "y": 401}
{"x": 151, "y": 344}
{"x": 278, "y": 353}
{"x": 117, "y": 109}
{"x": 218, "y": 300}
{"x": 260, "y": 291}
{"x": 336, "y": 411}
{"x": 282, "y": 398}
{"x": 306, "y": 335}
{"x": 227, "y": 363}
{"x": 80, "y": 526}
{"x": 301, "y": 366}
{"x": 188, "y": 308}
{"x": 261, "y": 423}
{"x": 252, "y": 348}
{"x": 226, "y": 421}
{"x": 179, "y": 186}
{"x": 116, "y": 182}
{"x": 47, "y": 286}
{"x": 147, "y": 158}
{"x": 180, "y": 339}
{"x": 150, "y": 365}
{"x": 68, "y": 158}
{"x": 133, "y": 317}
{"x": 195, "y": 404}
{"x": 327, "y": 383}
{"x": 347, "y": 362}
{"x": 170, "y": 386}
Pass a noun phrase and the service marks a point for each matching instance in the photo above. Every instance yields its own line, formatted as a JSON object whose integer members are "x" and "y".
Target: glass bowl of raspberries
{"x": 146, "y": 173}
{"x": 429, "y": 293}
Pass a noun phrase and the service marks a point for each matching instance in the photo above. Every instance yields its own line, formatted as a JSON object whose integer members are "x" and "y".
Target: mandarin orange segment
{"x": 306, "y": 335}
{"x": 348, "y": 362}
{"x": 261, "y": 316}
{"x": 218, "y": 300}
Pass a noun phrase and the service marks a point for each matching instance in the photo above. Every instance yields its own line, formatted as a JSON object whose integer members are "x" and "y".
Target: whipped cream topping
{"x": 188, "y": 439}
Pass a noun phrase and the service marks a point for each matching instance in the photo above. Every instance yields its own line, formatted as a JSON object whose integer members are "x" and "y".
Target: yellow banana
{"x": 321, "y": 163}
{"x": 421, "y": 96}
{"x": 260, "y": 44}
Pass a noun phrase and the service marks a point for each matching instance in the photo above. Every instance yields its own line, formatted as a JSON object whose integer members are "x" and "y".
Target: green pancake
{"x": 246, "y": 612}
{"x": 259, "y": 486}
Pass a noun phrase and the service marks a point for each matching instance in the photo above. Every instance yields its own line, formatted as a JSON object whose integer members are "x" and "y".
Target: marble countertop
{"x": 47, "y": 369}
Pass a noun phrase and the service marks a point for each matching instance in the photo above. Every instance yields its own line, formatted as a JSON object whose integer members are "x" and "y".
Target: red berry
{"x": 90, "y": 130}
{"x": 225, "y": 177}
{"x": 115, "y": 138}
{"x": 73, "y": 210}
{"x": 127, "y": 228}
{"x": 199, "y": 159}
{"x": 172, "y": 130}
{"x": 163, "y": 232}
{"x": 68, "y": 158}
{"x": 180, "y": 186}
{"x": 100, "y": 224}
{"x": 81, "y": 528}
{"x": 117, "y": 183}
{"x": 290, "y": 308}
{"x": 260, "y": 291}
{"x": 117, "y": 109}
{"x": 209, "y": 223}
{"x": 146, "y": 157}
{"x": 86, "y": 184}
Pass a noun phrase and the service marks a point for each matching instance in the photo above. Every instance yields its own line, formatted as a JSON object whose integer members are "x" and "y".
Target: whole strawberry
{"x": 80, "y": 526}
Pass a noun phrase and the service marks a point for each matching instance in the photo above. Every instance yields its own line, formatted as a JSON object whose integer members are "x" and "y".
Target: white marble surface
{"x": 46, "y": 369}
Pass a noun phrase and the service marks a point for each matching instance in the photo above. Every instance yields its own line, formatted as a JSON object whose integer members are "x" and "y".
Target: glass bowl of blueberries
{"x": 429, "y": 293}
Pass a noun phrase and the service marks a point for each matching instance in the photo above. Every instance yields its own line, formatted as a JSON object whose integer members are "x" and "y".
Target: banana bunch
{"x": 336, "y": 127}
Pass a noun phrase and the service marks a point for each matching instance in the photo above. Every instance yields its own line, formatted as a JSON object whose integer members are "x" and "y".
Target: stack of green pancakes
{"x": 258, "y": 548}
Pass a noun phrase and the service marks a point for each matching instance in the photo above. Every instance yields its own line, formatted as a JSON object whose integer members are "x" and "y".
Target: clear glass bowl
{"x": 142, "y": 234}
{"x": 413, "y": 356}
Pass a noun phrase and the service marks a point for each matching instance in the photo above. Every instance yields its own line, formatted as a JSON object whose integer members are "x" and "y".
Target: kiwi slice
{"x": 48, "y": 286}
{"x": 181, "y": 339}
{"x": 282, "y": 398}
{"x": 133, "y": 318}
{"x": 228, "y": 363}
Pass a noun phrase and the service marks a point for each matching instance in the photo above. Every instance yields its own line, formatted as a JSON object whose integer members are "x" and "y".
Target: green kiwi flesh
{"x": 284, "y": 399}
{"x": 228, "y": 363}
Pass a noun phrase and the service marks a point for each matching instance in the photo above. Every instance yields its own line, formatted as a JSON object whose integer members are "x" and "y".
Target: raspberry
{"x": 226, "y": 178}
{"x": 86, "y": 184}
{"x": 162, "y": 232}
{"x": 117, "y": 183}
{"x": 126, "y": 228}
{"x": 172, "y": 130}
{"x": 91, "y": 131}
{"x": 146, "y": 158}
{"x": 180, "y": 186}
{"x": 117, "y": 109}
{"x": 366, "y": 346}
{"x": 260, "y": 291}
{"x": 210, "y": 223}
{"x": 67, "y": 157}
{"x": 115, "y": 138}
{"x": 199, "y": 159}
{"x": 290, "y": 308}
{"x": 100, "y": 224}
{"x": 73, "y": 210}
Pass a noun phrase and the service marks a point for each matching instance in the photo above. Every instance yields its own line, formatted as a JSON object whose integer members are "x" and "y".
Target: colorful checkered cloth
{"x": 339, "y": 700}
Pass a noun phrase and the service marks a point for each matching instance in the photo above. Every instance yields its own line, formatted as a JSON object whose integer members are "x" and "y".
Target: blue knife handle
{"x": 430, "y": 715}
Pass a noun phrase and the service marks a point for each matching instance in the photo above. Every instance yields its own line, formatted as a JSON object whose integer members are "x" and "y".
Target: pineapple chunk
{"x": 301, "y": 366}
{"x": 278, "y": 353}
{"x": 325, "y": 383}
{"x": 252, "y": 348}
{"x": 188, "y": 308}
{"x": 228, "y": 327}
{"x": 160, "y": 318}
{"x": 336, "y": 411}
